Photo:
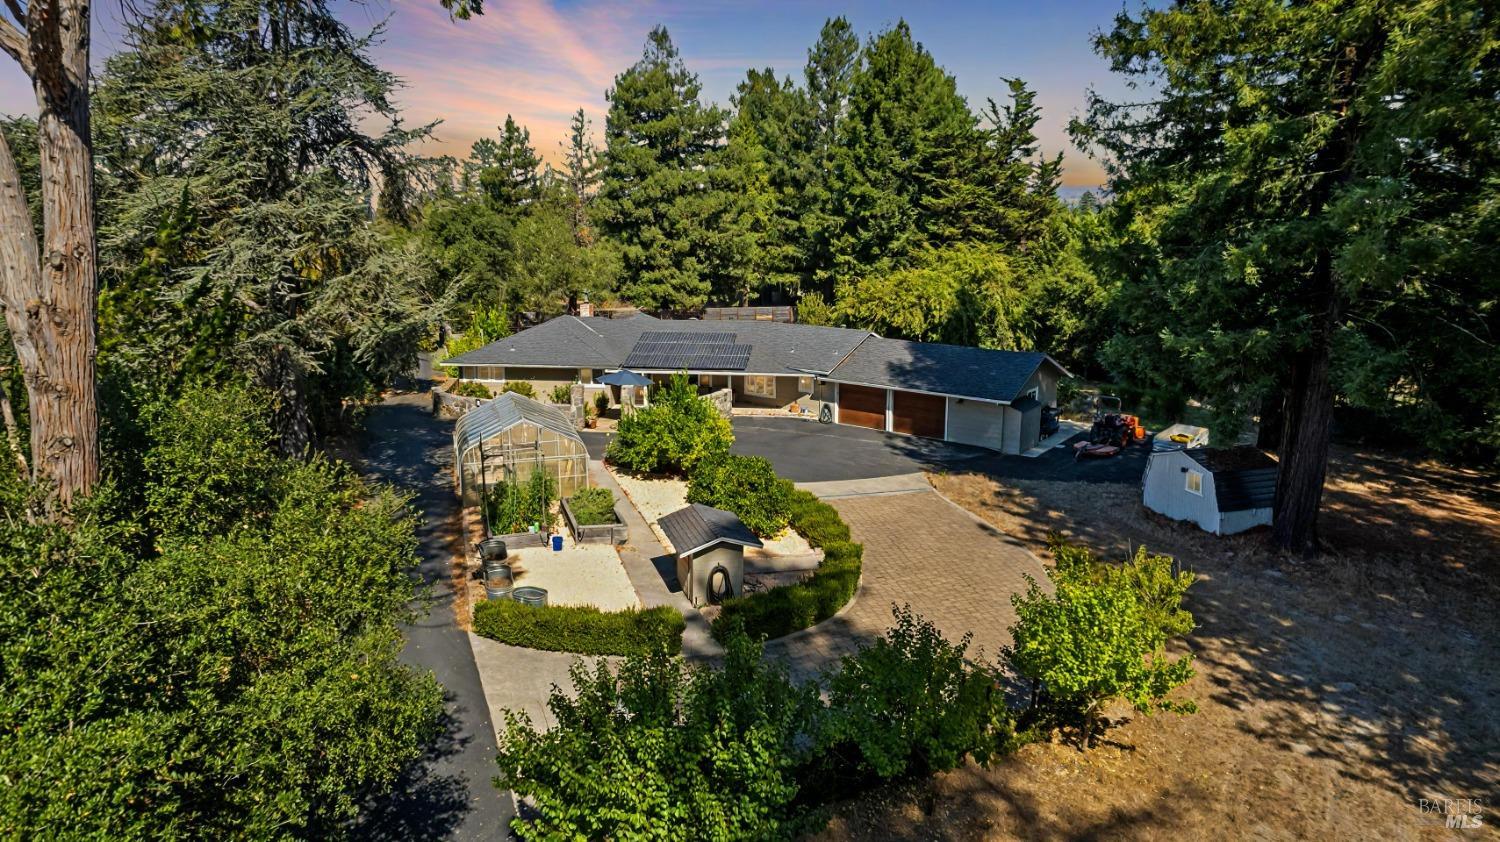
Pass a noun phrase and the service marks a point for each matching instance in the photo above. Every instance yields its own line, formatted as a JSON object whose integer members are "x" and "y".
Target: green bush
{"x": 910, "y": 704}
{"x": 672, "y": 435}
{"x": 580, "y": 628}
{"x": 520, "y": 387}
{"x": 660, "y": 750}
{"x": 592, "y": 506}
{"x": 601, "y": 402}
{"x": 1101, "y": 635}
{"x": 788, "y": 608}
{"x": 515, "y": 507}
{"x": 241, "y": 683}
{"x": 471, "y": 389}
{"x": 562, "y": 393}
{"x": 747, "y": 486}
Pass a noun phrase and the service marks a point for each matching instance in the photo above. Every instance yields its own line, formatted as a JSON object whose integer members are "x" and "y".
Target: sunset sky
{"x": 540, "y": 61}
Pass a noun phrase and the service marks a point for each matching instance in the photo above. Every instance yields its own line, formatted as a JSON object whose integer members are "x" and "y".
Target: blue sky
{"x": 542, "y": 60}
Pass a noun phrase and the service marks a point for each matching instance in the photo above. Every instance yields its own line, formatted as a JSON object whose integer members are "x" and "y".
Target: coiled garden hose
{"x": 719, "y": 585}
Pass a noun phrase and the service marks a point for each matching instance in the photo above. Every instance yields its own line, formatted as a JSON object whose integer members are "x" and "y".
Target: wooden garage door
{"x": 862, "y": 406}
{"x": 919, "y": 415}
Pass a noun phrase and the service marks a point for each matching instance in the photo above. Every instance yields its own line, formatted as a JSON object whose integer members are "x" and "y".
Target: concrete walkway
{"x": 450, "y": 794}
{"x": 922, "y": 550}
{"x": 651, "y": 568}
{"x": 898, "y": 484}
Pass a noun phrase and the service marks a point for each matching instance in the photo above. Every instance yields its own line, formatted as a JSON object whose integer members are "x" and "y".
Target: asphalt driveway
{"x": 806, "y": 451}
{"x": 449, "y": 795}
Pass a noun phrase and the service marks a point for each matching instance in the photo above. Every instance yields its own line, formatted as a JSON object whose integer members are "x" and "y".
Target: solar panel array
{"x": 662, "y": 350}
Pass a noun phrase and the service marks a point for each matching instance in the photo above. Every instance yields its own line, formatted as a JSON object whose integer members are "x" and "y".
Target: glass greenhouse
{"x": 510, "y": 437}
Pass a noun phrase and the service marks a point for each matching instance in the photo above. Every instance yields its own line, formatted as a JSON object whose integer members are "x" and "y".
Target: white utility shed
{"x": 1223, "y": 490}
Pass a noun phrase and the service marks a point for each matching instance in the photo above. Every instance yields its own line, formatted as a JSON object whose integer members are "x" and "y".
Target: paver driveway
{"x": 921, "y": 550}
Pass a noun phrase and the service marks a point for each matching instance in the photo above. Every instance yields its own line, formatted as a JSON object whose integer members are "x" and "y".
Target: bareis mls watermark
{"x": 1453, "y": 813}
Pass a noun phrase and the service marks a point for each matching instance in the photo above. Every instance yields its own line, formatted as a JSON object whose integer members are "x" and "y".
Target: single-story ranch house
{"x": 974, "y": 396}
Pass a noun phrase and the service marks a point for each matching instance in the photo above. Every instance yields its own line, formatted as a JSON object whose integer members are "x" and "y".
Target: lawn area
{"x": 1334, "y": 694}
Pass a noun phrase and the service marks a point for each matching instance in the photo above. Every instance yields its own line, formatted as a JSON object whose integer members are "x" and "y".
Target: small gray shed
{"x": 1223, "y": 490}
{"x": 710, "y": 547}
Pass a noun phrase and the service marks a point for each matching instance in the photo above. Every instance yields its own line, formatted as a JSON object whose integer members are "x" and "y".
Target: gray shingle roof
{"x": 698, "y": 527}
{"x": 942, "y": 369}
{"x": 572, "y": 342}
{"x": 845, "y": 355}
{"x": 1244, "y": 477}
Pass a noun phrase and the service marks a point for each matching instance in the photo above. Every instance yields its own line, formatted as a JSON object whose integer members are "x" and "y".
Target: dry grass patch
{"x": 1334, "y": 693}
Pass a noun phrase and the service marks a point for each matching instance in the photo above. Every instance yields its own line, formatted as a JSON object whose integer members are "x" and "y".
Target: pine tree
{"x": 580, "y": 177}
{"x": 829, "y": 74}
{"x": 512, "y": 178}
{"x": 770, "y": 151}
{"x": 664, "y": 191}
{"x": 904, "y": 113}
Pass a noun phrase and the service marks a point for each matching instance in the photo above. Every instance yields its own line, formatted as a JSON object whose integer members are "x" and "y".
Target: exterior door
{"x": 918, "y": 415}
{"x": 862, "y": 406}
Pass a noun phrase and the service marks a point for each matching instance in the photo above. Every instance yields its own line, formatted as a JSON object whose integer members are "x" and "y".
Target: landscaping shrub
{"x": 580, "y": 628}
{"x": 672, "y": 435}
{"x": 601, "y": 402}
{"x": 236, "y": 683}
{"x": 520, "y": 387}
{"x": 471, "y": 389}
{"x": 747, "y": 486}
{"x": 788, "y": 608}
{"x": 660, "y": 750}
{"x": 515, "y": 507}
{"x": 910, "y": 704}
{"x": 592, "y": 506}
{"x": 562, "y": 393}
{"x": 1101, "y": 635}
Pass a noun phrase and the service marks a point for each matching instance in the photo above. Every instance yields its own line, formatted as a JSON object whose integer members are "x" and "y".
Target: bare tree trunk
{"x": 1307, "y": 430}
{"x": 49, "y": 293}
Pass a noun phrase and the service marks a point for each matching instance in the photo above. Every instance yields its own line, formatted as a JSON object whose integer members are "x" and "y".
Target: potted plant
{"x": 590, "y": 417}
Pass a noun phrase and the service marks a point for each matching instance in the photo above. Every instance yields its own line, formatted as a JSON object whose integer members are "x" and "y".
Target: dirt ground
{"x": 1334, "y": 694}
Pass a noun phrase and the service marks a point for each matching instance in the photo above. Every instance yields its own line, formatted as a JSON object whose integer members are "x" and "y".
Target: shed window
{"x": 760, "y": 387}
{"x": 1195, "y": 482}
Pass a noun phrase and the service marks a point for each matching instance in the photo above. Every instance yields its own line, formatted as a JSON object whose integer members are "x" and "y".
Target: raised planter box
{"x": 522, "y": 540}
{"x": 601, "y": 533}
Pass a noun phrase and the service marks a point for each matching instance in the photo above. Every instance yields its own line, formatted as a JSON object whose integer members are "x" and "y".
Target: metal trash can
{"x": 528, "y": 595}
{"x": 557, "y": 543}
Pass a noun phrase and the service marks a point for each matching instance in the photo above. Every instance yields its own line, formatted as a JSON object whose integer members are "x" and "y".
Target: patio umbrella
{"x": 623, "y": 377}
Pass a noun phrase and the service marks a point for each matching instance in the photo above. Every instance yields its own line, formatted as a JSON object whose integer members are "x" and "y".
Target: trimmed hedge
{"x": 781, "y": 611}
{"x": 582, "y": 629}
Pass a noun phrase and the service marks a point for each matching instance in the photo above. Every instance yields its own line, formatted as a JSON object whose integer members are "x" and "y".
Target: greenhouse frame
{"x": 509, "y": 438}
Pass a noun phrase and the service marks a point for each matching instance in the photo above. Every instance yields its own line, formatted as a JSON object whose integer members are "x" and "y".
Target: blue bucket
{"x": 556, "y": 543}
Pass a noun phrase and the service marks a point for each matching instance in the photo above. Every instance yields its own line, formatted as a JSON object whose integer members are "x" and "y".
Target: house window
{"x": 1033, "y": 393}
{"x": 1195, "y": 483}
{"x": 491, "y": 372}
{"x": 804, "y": 385}
{"x": 759, "y": 386}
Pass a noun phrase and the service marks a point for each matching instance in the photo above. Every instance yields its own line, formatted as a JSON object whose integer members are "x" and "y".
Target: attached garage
{"x": 917, "y": 414}
{"x": 862, "y": 406}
